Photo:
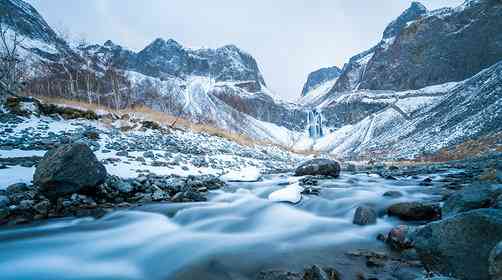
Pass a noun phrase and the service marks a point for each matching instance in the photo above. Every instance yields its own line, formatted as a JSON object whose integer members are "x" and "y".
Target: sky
{"x": 288, "y": 38}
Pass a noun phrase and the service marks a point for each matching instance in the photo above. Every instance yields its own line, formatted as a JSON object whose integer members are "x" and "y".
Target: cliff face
{"x": 422, "y": 48}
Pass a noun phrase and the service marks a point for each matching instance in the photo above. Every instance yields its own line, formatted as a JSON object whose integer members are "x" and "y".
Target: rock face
{"x": 319, "y": 77}
{"x": 408, "y": 55}
{"x": 415, "y": 211}
{"x": 324, "y": 167}
{"x": 365, "y": 215}
{"x": 446, "y": 246}
{"x": 68, "y": 169}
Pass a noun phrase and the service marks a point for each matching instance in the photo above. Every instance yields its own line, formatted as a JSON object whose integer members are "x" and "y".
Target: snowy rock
{"x": 292, "y": 194}
{"x": 248, "y": 174}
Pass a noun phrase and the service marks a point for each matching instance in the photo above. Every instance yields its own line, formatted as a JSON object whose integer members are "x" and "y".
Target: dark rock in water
{"x": 68, "y": 169}
{"x": 415, "y": 211}
{"x": 122, "y": 153}
{"x": 497, "y": 203}
{"x": 365, "y": 215}
{"x": 393, "y": 194}
{"x": 495, "y": 262}
{"x": 309, "y": 181}
{"x": 460, "y": 246}
{"x": 317, "y": 273}
{"x": 473, "y": 197}
{"x": 278, "y": 275}
{"x": 401, "y": 237}
{"x": 319, "y": 166}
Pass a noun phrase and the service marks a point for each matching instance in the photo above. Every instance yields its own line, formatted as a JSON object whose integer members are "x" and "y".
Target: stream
{"x": 236, "y": 234}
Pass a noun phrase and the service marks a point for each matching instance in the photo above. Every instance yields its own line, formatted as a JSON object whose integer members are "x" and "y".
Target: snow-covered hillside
{"x": 414, "y": 122}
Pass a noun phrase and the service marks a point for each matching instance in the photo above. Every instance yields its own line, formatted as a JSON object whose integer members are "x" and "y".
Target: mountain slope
{"x": 411, "y": 123}
{"x": 424, "y": 48}
{"x": 222, "y": 87}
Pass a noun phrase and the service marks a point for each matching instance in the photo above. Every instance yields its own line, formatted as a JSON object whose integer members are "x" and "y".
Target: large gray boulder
{"x": 473, "y": 197}
{"x": 365, "y": 215}
{"x": 68, "y": 169}
{"x": 415, "y": 211}
{"x": 320, "y": 166}
{"x": 460, "y": 246}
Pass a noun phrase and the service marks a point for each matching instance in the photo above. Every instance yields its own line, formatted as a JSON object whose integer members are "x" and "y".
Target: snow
{"x": 292, "y": 194}
{"x": 15, "y": 174}
{"x": 317, "y": 93}
{"x": 247, "y": 174}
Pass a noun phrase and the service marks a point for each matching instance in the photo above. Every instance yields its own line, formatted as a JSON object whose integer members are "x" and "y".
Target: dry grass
{"x": 159, "y": 117}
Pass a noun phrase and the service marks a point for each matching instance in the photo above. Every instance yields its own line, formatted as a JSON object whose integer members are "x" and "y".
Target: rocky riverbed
{"x": 85, "y": 199}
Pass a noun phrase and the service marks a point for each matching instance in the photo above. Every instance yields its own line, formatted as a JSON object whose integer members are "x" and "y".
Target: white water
{"x": 233, "y": 236}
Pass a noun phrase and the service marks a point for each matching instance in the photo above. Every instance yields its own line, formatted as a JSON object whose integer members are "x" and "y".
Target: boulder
{"x": 401, "y": 237}
{"x": 473, "y": 197}
{"x": 324, "y": 167}
{"x": 460, "y": 245}
{"x": 495, "y": 262}
{"x": 415, "y": 211}
{"x": 365, "y": 215}
{"x": 68, "y": 169}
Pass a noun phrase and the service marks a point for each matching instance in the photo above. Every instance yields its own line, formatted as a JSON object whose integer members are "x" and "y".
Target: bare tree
{"x": 11, "y": 63}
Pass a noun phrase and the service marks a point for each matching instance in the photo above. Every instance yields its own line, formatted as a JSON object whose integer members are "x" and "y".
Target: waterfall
{"x": 315, "y": 120}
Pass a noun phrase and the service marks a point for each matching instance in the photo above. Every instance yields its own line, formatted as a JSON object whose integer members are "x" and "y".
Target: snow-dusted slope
{"x": 220, "y": 87}
{"x": 411, "y": 123}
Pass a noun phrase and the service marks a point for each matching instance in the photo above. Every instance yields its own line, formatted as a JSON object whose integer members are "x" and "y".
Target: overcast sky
{"x": 288, "y": 38}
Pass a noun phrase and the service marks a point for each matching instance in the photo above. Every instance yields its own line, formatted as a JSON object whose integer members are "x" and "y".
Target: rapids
{"x": 234, "y": 235}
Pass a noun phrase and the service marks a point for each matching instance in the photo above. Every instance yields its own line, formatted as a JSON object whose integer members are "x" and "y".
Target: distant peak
{"x": 109, "y": 43}
{"x": 417, "y": 6}
{"x": 415, "y": 11}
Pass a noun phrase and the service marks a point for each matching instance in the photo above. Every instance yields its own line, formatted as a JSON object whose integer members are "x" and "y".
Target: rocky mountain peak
{"x": 320, "y": 76}
{"x": 415, "y": 11}
{"x": 25, "y": 20}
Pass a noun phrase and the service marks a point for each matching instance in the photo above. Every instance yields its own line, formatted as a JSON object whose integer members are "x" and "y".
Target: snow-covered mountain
{"x": 319, "y": 83}
{"x": 422, "y": 48}
{"x": 222, "y": 87}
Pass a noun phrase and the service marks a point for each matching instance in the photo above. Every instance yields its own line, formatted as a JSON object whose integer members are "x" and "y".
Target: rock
{"x": 446, "y": 246}
{"x": 365, "y": 215}
{"x": 42, "y": 207}
{"x": 291, "y": 194}
{"x": 319, "y": 166}
{"x": 17, "y": 188}
{"x": 401, "y": 238}
{"x": 393, "y": 194}
{"x": 122, "y": 153}
{"x": 120, "y": 185}
{"x": 473, "y": 197}
{"x": 415, "y": 211}
{"x": 317, "y": 273}
{"x": 278, "y": 275}
{"x": 497, "y": 203}
{"x": 68, "y": 169}
{"x": 495, "y": 262}
{"x": 148, "y": 154}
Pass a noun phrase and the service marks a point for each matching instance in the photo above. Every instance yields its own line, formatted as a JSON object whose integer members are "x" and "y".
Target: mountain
{"x": 318, "y": 77}
{"x": 318, "y": 84}
{"x": 221, "y": 87}
{"x": 423, "y": 48}
{"x": 407, "y": 124}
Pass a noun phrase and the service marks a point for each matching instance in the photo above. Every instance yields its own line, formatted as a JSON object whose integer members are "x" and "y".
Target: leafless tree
{"x": 12, "y": 68}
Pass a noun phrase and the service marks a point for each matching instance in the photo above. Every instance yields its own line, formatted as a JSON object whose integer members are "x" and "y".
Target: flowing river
{"x": 234, "y": 235}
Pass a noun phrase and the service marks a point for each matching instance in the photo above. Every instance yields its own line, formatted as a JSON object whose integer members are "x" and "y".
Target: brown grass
{"x": 163, "y": 119}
